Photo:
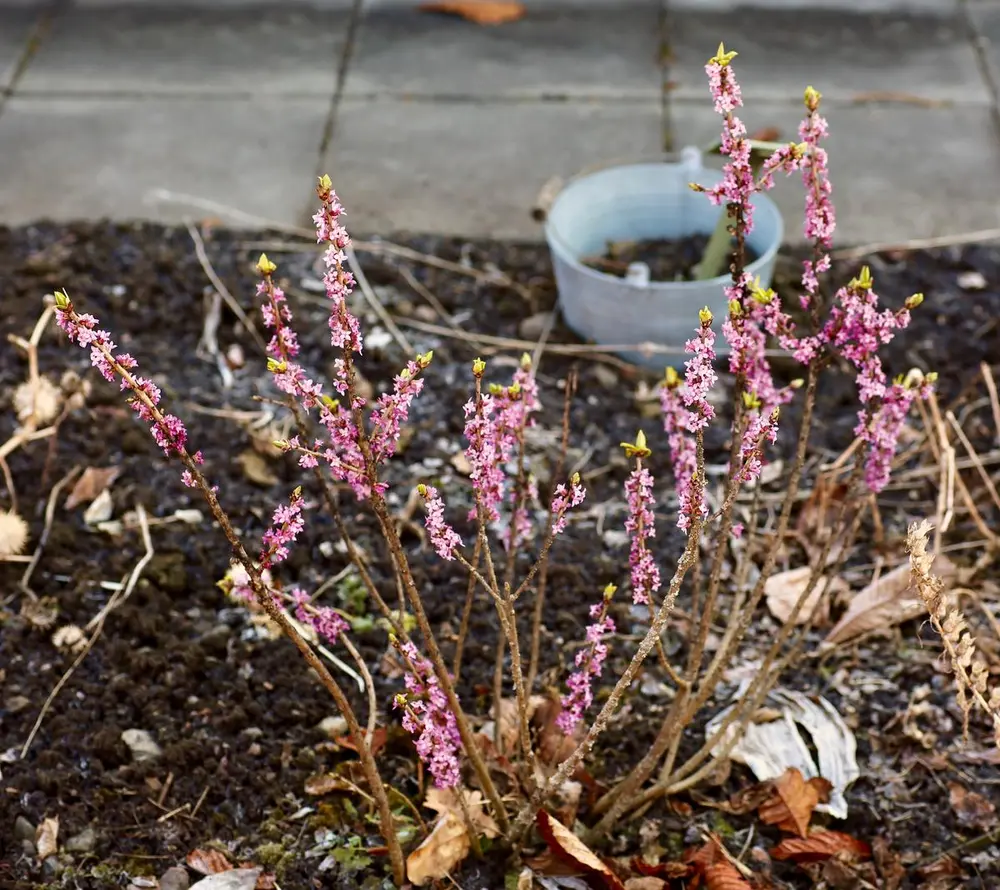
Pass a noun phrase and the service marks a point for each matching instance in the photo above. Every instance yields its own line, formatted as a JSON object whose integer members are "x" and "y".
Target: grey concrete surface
{"x": 431, "y": 123}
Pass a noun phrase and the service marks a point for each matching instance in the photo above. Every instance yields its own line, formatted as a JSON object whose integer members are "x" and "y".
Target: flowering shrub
{"x": 342, "y": 439}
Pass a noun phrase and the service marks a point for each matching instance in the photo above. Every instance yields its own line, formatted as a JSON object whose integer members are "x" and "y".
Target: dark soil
{"x": 668, "y": 259}
{"x": 236, "y": 712}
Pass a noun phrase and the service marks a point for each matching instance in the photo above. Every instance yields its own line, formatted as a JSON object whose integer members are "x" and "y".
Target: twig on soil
{"x": 375, "y": 303}
{"x": 208, "y": 345}
{"x": 856, "y": 253}
{"x": 116, "y": 600}
{"x": 50, "y": 510}
{"x": 221, "y": 289}
{"x": 428, "y": 296}
{"x": 991, "y": 388}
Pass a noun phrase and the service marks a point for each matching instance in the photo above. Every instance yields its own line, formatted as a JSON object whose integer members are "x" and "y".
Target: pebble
{"x": 331, "y": 727}
{"x": 84, "y": 842}
{"x": 142, "y": 745}
{"x": 24, "y": 830}
{"x": 175, "y": 878}
{"x": 17, "y": 703}
{"x": 972, "y": 280}
{"x": 531, "y": 328}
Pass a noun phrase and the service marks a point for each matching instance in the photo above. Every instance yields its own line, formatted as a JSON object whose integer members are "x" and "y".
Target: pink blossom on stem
{"x": 640, "y": 523}
{"x": 168, "y": 431}
{"x": 345, "y": 330}
{"x": 444, "y": 538}
{"x": 762, "y": 427}
{"x": 392, "y": 409}
{"x": 286, "y": 525}
{"x": 485, "y": 453}
{"x": 590, "y": 664}
{"x": 427, "y": 717}
{"x": 327, "y": 623}
{"x": 563, "y": 500}
{"x": 519, "y": 528}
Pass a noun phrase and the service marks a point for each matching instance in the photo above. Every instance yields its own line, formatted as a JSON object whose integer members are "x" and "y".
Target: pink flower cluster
{"x": 761, "y": 428}
{"x": 640, "y": 523}
{"x": 444, "y": 538}
{"x": 286, "y": 526}
{"x": 427, "y": 717}
{"x": 84, "y": 330}
{"x": 590, "y": 664}
{"x": 686, "y": 410}
{"x": 327, "y": 623}
{"x": 563, "y": 500}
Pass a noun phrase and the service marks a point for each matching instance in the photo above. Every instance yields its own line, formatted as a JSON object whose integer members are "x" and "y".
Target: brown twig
{"x": 50, "y": 512}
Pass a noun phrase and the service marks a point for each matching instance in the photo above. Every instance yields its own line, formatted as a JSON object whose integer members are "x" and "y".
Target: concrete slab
{"x": 17, "y": 24}
{"x": 897, "y": 172}
{"x": 473, "y": 169}
{"x": 83, "y": 158}
{"x": 985, "y": 18}
{"x": 842, "y": 54}
{"x": 147, "y": 49}
{"x": 555, "y": 50}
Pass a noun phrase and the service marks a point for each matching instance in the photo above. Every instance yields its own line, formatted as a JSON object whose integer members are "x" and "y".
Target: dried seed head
{"x": 13, "y": 533}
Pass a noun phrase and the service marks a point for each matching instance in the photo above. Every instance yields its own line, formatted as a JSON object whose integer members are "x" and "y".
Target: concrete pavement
{"x": 431, "y": 123}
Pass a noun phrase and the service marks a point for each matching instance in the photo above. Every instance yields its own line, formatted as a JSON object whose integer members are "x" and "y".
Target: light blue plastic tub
{"x": 637, "y": 202}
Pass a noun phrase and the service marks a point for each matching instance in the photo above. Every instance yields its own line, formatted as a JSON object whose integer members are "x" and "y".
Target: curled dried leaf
{"x": 820, "y": 846}
{"x": 571, "y": 850}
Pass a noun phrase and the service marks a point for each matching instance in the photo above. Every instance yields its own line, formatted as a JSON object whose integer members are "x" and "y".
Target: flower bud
{"x": 695, "y": 187}
{"x": 722, "y": 58}
{"x": 575, "y": 479}
{"x": 750, "y": 401}
{"x": 609, "y": 592}
{"x": 671, "y": 379}
{"x": 422, "y": 490}
{"x": 735, "y": 309}
{"x": 638, "y": 449}
{"x": 863, "y": 281}
{"x": 324, "y": 184}
{"x": 264, "y": 266}
{"x": 329, "y": 402}
{"x": 479, "y": 367}
{"x": 812, "y": 98}
{"x": 425, "y": 358}
{"x": 62, "y": 300}
{"x": 797, "y": 383}
{"x": 913, "y": 301}
{"x": 931, "y": 377}
{"x": 525, "y": 361}
{"x": 495, "y": 389}
{"x": 276, "y": 366}
{"x": 705, "y": 316}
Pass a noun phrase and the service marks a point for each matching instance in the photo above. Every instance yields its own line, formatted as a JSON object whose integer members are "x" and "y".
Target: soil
{"x": 236, "y": 714}
{"x": 668, "y": 259}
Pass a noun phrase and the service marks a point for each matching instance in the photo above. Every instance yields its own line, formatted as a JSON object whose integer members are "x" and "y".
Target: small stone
{"x": 606, "y": 376}
{"x": 24, "y": 830}
{"x": 142, "y": 745}
{"x": 972, "y": 280}
{"x": 331, "y": 727}
{"x": 531, "y": 328}
{"x": 17, "y": 703}
{"x": 84, "y": 842}
{"x": 175, "y": 878}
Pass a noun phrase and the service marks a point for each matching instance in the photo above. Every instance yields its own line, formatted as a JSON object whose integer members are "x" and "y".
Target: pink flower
{"x": 590, "y": 664}
{"x": 519, "y": 528}
{"x": 444, "y": 538}
{"x": 563, "y": 499}
{"x": 84, "y": 330}
{"x": 486, "y": 455}
{"x": 641, "y": 526}
{"x": 427, "y": 717}
{"x": 760, "y": 428}
{"x": 392, "y": 409}
{"x": 286, "y": 525}
{"x": 325, "y": 621}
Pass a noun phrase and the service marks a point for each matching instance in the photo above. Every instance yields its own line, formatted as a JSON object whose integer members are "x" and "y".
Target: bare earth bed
{"x": 235, "y": 713}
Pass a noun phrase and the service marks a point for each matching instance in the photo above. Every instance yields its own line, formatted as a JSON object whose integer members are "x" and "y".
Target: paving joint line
{"x": 979, "y": 46}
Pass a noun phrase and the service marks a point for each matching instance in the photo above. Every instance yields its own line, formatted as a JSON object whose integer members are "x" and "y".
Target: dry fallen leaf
{"x": 819, "y": 846}
{"x": 972, "y": 809}
{"x": 444, "y": 848}
{"x": 646, "y": 883}
{"x": 47, "y": 838}
{"x": 724, "y": 876}
{"x": 712, "y": 863}
{"x": 325, "y": 783}
{"x": 41, "y": 614}
{"x": 445, "y": 800}
{"x": 889, "y": 601}
{"x": 256, "y": 469}
{"x": 568, "y": 847}
{"x": 208, "y": 862}
{"x": 784, "y": 589}
{"x": 794, "y": 799}
{"x": 889, "y": 864}
{"x": 482, "y": 12}
{"x": 91, "y": 483}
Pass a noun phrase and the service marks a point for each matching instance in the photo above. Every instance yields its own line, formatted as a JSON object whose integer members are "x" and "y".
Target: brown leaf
{"x": 91, "y": 483}
{"x": 941, "y": 868}
{"x": 724, "y": 876}
{"x": 819, "y": 847}
{"x": 208, "y": 862}
{"x": 888, "y": 863}
{"x": 973, "y": 810}
{"x": 445, "y": 800}
{"x": 554, "y": 746}
{"x": 748, "y": 799}
{"x": 568, "y": 847}
{"x": 668, "y": 871}
{"x": 325, "y": 783}
{"x": 379, "y": 738}
{"x": 256, "y": 469}
{"x": 784, "y": 589}
{"x": 645, "y": 883}
{"x": 889, "y": 601}
{"x": 482, "y": 12}
{"x": 791, "y": 807}
{"x": 47, "y": 838}
{"x": 444, "y": 848}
